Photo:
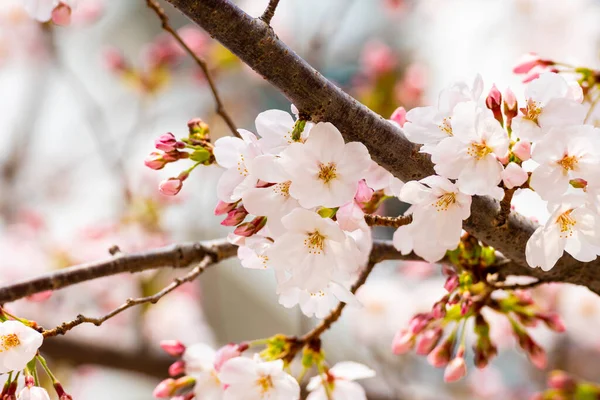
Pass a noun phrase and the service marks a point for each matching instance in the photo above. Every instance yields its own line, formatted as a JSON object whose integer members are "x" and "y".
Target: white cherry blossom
{"x": 275, "y": 130}
{"x": 470, "y": 155}
{"x": 273, "y": 202}
{"x": 379, "y": 178}
{"x": 572, "y": 227}
{"x": 40, "y": 10}
{"x": 199, "y": 361}
{"x": 18, "y": 345}
{"x": 340, "y": 382}
{"x": 254, "y": 379}
{"x": 550, "y": 102}
{"x": 430, "y": 125}
{"x": 324, "y": 171}
{"x": 33, "y": 393}
{"x": 236, "y": 156}
{"x": 318, "y": 304}
{"x": 563, "y": 154}
{"x": 253, "y": 253}
{"x": 438, "y": 209}
{"x": 314, "y": 251}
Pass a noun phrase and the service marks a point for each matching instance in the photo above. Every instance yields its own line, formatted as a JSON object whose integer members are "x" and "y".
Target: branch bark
{"x": 255, "y": 43}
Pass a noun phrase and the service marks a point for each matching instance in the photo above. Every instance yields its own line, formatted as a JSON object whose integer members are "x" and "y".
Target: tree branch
{"x": 153, "y": 299}
{"x": 394, "y": 222}
{"x": 154, "y": 6}
{"x": 269, "y": 12}
{"x": 174, "y": 256}
{"x": 258, "y": 46}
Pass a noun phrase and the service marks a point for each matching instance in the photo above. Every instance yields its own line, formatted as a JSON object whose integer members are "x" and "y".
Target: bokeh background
{"x": 75, "y": 129}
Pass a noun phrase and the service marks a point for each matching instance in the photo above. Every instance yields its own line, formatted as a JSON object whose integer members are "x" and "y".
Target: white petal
{"x": 351, "y": 371}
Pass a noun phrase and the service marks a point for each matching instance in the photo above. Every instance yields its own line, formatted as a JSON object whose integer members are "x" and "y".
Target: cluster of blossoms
{"x": 203, "y": 373}
{"x": 441, "y": 334}
{"x": 19, "y": 344}
{"x": 487, "y": 147}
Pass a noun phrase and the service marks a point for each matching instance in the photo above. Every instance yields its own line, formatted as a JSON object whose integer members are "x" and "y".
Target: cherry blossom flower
{"x": 254, "y": 379}
{"x": 340, "y": 382}
{"x": 572, "y": 227}
{"x": 199, "y": 362}
{"x": 273, "y": 201}
{"x": 235, "y": 155}
{"x": 513, "y": 175}
{"x": 18, "y": 345}
{"x": 33, "y": 393}
{"x": 318, "y": 304}
{"x": 438, "y": 209}
{"x": 275, "y": 129}
{"x": 550, "y": 101}
{"x": 253, "y": 253}
{"x": 563, "y": 154}
{"x": 430, "y": 125}
{"x": 324, "y": 171}
{"x": 314, "y": 251}
{"x": 470, "y": 154}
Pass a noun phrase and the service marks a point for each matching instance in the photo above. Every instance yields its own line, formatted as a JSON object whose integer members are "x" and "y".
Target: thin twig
{"x": 394, "y": 222}
{"x": 269, "y": 12}
{"x": 153, "y": 299}
{"x": 505, "y": 207}
{"x": 220, "y": 108}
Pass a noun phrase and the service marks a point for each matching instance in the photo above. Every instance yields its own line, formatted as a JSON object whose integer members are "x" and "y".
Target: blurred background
{"x": 82, "y": 105}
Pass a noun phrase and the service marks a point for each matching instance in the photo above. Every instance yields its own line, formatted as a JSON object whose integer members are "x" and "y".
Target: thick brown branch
{"x": 220, "y": 108}
{"x": 269, "y": 12}
{"x": 153, "y": 299}
{"x": 258, "y": 46}
{"x": 175, "y": 256}
{"x": 394, "y": 222}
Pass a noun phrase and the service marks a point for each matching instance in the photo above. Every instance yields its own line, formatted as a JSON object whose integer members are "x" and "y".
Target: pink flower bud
{"x": 428, "y": 340}
{"x": 440, "y": 355}
{"x": 455, "y": 370}
{"x": 198, "y": 127}
{"x": 419, "y": 322}
{"x": 177, "y": 368}
{"x": 451, "y": 283}
{"x": 494, "y": 103}
{"x": 228, "y": 352}
{"x": 529, "y": 61}
{"x": 235, "y": 217}
{"x": 403, "y": 341}
{"x": 560, "y": 380}
{"x": 172, "y": 347}
{"x": 61, "y": 15}
{"x": 224, "y": 208}
{"x": 164, "y": 389}
{"x": 114, "y": 60}
{"x": 364, "y": 193}
{"x": 167, "y": 142}
{"x": 513, "y": 175}
{"x": 250, "y": 228}
{"x": 578, "y": 183}
{"x": 170, "y": 187}
{"x": 399, "y": 116}
{"x": 522, "y": 149}
{"x": 552, "y": 321}
{"x": 155, "y": 161}
{"x": 465, "y": 307}
{"x": 439, "y": 309}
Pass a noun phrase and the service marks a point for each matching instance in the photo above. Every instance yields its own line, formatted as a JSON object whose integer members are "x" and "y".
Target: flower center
{"x": 265, "y": 383}
{"x": 315, "y": 242}
{"x": 446, "y": 127}
{"x": 9, "y": 341}
{"x": 282, "y": 189}
{"x": 569, "y": 163}
{"x": 532, "y": 111}
{"x": 478, "y": 150}
{"x": 327, "y": 172}
{"x": 242, "y": 170}
{"x": 566, "y": 224}
{"x": 445, "y": 201}
{"x": 320, "y": 293}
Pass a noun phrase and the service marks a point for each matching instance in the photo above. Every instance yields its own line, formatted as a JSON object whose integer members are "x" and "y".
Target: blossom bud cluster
{"x": 171, "y": 150}
{"x": 297, "y": 195}
{"x": 441, "y": 333}
{"x": 479, "y": 147}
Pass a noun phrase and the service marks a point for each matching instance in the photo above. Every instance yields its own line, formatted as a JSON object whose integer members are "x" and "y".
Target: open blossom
{"x": 564, "y": 154}
{"x": 253, "y": 253}
{"x": 470, "y": 155}
{"x": 550, "y": 101}
{"x": 318, "y": 304}
{"x": 236, "y": 156}
{"x": 275, "y": 129}
{"x": 199, "y": 362}
{"x": 324, "y": 171}
{"x": 573, "y": 228}
{"x": 314, "y": 251}
{"x": 18, "y": 345}
{"x": 33, "y": 393}
{"x": 430, "y": 125}
{"x": 254, "y": 379}
{"x": 272, "y": 201}
{"x": 340, "y": 381}
{"x": 438, "y": 209}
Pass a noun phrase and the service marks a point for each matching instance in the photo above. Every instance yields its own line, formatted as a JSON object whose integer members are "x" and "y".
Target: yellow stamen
{"x": 532, "y": 111}
{"x": 445, "y": 201}
{"x": 265, "y": 383}
{"x": 569, "y": 163}
{"x": 9, "y": 341}
{"x": 446, "y": 127}
{"x": 327, "y": 172}
{"x": 315, "y": 242}
{"x": 566, "y": 224}
{"x": 283, "y": 189}
{"x": 478, "y": 150}
{"x": 242, "y": 170}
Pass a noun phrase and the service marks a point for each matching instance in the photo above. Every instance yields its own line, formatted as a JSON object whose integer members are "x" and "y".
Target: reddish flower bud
{"x": 529, "y": 61}
{"x": 165, "y": 389}
{"x": 419, "y": 322}
{"x": 177, "y": 368}
{"x": 170, "y": 187}
{"x": 250, "y": 228}
{"x": 235, "y": 217}
{"x": 61, "y": 15}
{"x": 173, "y": 347}
{"x": 167, "y": 142}
{"x": 578, "y": 183}
{"x": 552, "y": 321}
{"x": 440, "y": 356}
{"x": 403, "y": 342}
{"x": 428, "y": 340}
{"x": 511, "y": 107}
{"x": 560, "y": 380}
{"x": 451, "y": 283}
{"x": 456, "y": 370}
{"x": 198, "y": 128}
{"x": 155, "y": 161}
{"x": 364, "y": 193}
{"x": 399, "y": 116}
{"x": 439, "y": 309}
{"x": 522, "y": 149}
{"x": 494, "y": 103}
{"x": 224, "y": 208}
